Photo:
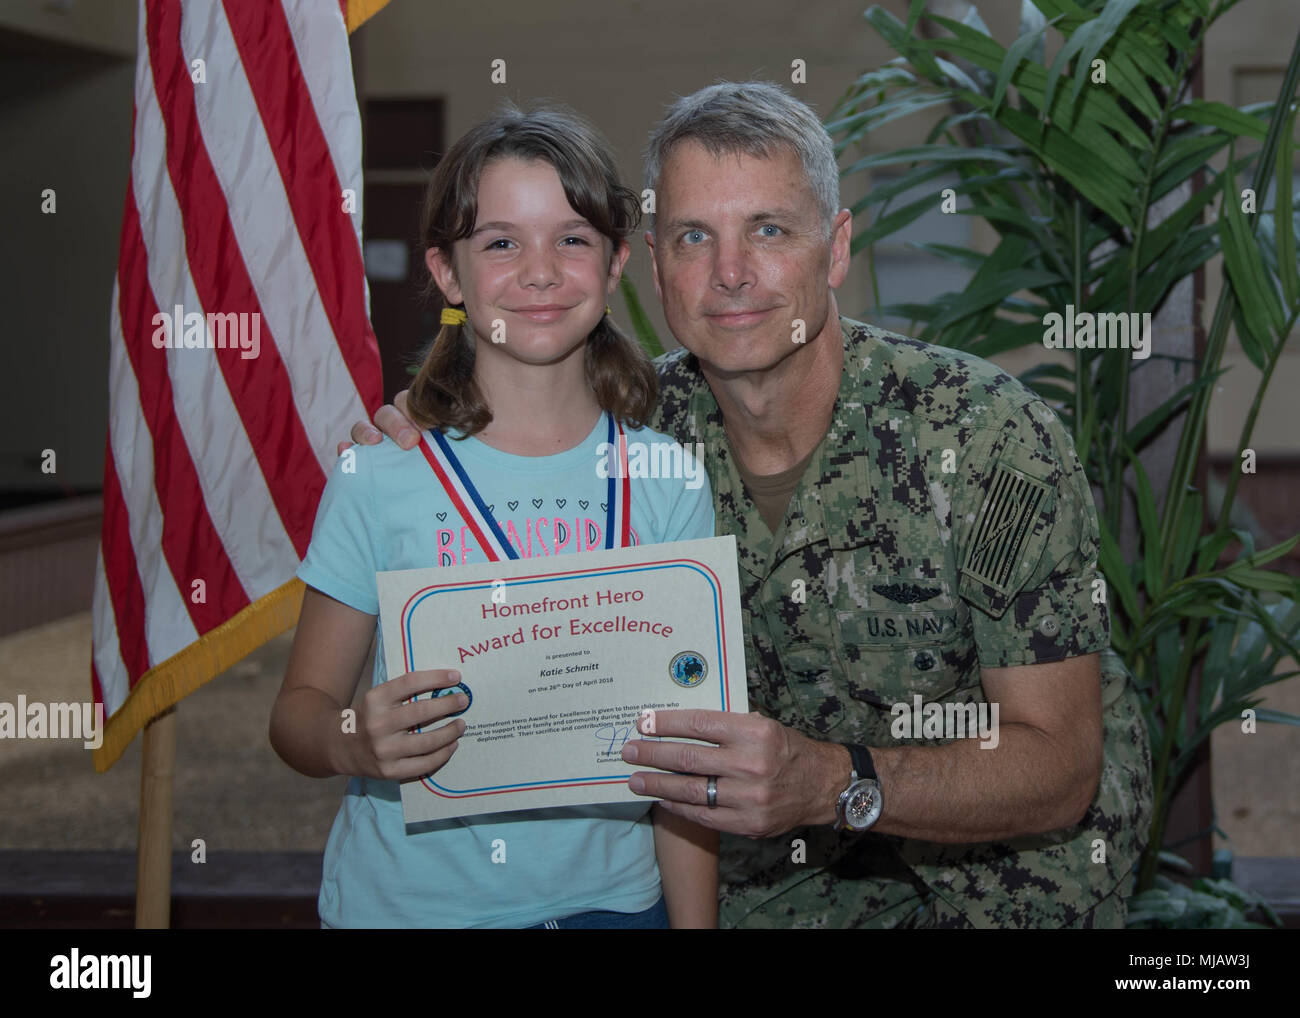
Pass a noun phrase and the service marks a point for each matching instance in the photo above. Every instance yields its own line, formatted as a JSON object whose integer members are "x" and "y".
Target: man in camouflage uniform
{"x": 897, "y": 596}
{"x": 911, "y": 522}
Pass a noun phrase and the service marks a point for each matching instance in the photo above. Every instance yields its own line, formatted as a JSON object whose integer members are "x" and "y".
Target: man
{"x": 914, "y": 529}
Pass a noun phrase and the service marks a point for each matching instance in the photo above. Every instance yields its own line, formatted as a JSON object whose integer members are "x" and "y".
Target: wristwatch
{"x": 859, "y": 805}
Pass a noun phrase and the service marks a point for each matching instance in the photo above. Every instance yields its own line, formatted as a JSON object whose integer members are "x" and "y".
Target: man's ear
{"x": 654, "y": 265}
{"x": 444, "y": 275}
{"x": 841, "y": 245}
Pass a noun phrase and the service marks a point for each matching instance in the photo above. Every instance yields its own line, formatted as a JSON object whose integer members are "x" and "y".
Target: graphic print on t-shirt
{"x": 573, "y": 525}
{"x": 478, "y": 515}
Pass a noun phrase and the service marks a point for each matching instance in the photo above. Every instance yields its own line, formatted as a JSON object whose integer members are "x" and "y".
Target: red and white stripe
{"x": 215, "y": 463}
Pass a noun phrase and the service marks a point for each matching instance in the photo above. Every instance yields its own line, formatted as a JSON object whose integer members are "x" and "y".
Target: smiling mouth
{"x": 543, "y": 312}
{"x": 738, "y": 317}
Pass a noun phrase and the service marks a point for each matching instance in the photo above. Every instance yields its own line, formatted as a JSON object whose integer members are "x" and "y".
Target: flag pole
{"x": 154, "y": 849}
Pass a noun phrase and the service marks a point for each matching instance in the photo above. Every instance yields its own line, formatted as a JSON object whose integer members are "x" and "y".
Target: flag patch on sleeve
{"x": 1002, "y": 527}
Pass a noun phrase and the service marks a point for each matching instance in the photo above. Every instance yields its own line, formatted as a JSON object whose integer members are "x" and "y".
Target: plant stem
{"x": 1234, "y": 475}
{"x": 1080, "y": 390}
{"x": 1169, "y": 735}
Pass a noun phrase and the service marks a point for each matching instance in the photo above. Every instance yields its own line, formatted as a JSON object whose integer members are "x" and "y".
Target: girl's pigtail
{"x": 621, "y": 374}
{"x": 444, "y": 394}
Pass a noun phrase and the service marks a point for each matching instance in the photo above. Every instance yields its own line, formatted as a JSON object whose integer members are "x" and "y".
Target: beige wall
{"x": 618, "y": 63}
{"x": 66, "y": 69}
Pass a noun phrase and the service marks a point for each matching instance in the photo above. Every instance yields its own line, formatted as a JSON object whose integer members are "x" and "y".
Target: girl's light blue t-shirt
{"x": 391, "y": 513}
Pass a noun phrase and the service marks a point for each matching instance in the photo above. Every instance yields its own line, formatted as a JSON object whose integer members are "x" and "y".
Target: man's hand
{"x": 771, "y": 779}
{"x": 391, "y": 419}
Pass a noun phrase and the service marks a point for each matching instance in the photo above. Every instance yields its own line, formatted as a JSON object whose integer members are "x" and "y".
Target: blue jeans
{"x": 653, "y": 918}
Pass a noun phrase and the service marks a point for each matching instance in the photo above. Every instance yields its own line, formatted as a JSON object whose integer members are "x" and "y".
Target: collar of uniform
{"x": 835, "y": 498}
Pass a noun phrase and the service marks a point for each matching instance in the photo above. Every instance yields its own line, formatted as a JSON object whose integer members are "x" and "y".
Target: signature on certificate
{"x": 615, "y": 735}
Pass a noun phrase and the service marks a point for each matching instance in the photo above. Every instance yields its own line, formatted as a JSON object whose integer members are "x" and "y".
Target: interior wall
{"x": 620, "y": 65}
{"x": 66, "y": 72}
{"x": 65, "y": 121}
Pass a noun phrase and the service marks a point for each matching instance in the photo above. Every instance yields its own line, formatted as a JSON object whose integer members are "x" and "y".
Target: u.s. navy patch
{"x": 1002, "y": 527}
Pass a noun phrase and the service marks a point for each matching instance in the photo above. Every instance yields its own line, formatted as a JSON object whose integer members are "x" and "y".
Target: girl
{"x": 525, "y": 229}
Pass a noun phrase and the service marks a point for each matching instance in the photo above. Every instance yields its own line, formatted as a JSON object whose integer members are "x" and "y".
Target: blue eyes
{"x": 768, "y": 230}
{"x": 496, "y": 244}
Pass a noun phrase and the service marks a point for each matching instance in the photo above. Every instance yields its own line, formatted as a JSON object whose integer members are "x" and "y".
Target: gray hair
{"x": 753, "y": 117}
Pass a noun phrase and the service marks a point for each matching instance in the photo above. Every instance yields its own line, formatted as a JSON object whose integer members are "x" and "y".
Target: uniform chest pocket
{"x": 812, "y": 675}
{"x": 892, "y": 656}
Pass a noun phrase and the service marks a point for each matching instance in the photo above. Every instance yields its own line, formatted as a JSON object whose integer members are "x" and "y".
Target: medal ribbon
{"x": 469, "y": 504}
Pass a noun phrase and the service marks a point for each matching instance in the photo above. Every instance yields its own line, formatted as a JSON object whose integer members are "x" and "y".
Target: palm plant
{"x": 1065, "y": 162}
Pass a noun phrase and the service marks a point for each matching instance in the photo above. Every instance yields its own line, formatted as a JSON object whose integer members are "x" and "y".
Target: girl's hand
{"x": 389, "y": 748}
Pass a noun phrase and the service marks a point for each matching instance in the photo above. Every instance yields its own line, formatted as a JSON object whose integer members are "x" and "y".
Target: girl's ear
{"x": 617, "y": 260}
{"x": 439, "y": 262}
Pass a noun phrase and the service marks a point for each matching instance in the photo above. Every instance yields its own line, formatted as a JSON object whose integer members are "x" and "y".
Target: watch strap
{"x": 863, "y": 765}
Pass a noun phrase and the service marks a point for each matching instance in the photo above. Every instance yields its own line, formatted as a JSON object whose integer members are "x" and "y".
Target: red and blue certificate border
{"x": 424, "y": 593}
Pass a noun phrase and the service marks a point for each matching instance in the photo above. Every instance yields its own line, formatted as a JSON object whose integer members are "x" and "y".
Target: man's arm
{"x": 1041, "y": 776}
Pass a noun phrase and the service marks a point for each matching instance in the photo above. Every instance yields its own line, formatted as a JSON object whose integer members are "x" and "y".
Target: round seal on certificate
{"x": 460, "y": 687}
{"x": 688, "y": 669}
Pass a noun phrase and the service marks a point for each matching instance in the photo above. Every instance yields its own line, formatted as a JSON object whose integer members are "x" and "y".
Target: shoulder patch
{"x": 1005, "y": 521}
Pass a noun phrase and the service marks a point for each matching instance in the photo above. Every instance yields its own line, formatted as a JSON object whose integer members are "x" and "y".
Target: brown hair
{"x": 444, "y": 394}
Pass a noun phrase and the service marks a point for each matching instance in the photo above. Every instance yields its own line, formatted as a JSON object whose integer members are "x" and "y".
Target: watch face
{"x": 863, "y": 806}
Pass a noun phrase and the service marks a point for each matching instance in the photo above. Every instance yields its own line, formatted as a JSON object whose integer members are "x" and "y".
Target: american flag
{"x": 241, "y": 346}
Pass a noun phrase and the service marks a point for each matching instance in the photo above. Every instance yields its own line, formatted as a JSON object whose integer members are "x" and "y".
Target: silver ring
{"x": 713, "y": 793}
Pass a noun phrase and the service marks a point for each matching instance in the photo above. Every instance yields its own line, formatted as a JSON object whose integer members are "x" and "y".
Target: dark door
{"x": 404, "y": 139}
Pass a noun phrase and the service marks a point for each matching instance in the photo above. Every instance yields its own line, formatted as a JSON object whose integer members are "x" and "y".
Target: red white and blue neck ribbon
{"x": 618, "y": 489}
{"x": 467, "y": 501}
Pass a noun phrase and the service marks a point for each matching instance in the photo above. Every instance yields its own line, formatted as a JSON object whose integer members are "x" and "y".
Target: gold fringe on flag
{"x": 359, "y": 11}
{"x": 170, "y": 681}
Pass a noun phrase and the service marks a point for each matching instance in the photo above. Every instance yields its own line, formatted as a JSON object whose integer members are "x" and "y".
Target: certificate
{"x": 558, "y": 657}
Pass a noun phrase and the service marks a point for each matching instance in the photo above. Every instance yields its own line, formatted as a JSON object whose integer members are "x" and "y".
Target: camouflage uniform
{"x": 943, "y": 524}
